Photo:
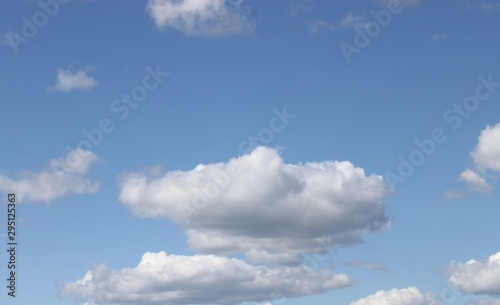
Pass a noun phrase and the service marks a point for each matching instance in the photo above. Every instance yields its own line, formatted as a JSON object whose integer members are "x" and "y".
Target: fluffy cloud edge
{"x": 395, "y": 296}
{"x": 486, "y": 154}
{"x": 477, "y": 276}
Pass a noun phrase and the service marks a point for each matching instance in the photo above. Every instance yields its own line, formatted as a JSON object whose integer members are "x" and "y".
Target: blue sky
{"x": 254, "y": 152}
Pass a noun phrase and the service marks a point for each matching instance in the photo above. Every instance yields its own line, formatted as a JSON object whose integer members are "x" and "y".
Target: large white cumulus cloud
{"x": 258, "y": 205}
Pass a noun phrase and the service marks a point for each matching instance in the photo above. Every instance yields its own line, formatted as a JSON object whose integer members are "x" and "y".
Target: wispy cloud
{"x": 296, "y": 9}
{"x": 68, "y": 81}
{"x": 320, "y": 26}
{"x": 209, "y": 18}
{"x": 489, "y": 6}
{"x": 486, "y": 6}
{"x": 349, "y": 21}
{"x": 485, "y": 302}
{"x": 407, "y": 3}
{"x": 474, "y": 183}
{"x": 437, "y": 37}
{"x": 55, "y": 181}
{"x": 371, "y": 266}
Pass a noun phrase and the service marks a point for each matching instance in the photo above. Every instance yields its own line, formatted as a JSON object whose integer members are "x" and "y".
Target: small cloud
{"x": 406, "y": 3}
{"x": 371, "y": 266}
{"x": 207, "y": 18}
{"x": 62, "y": 176}
{"x": 437, "y": 37}
{"x": 486, "y": 158}
{"x": 351, "y": 21}
{"x": 475, "y": 183}
{"x": 321, "y": 26}
{"x": 454, "y": 194}
{"x": 68, "y": 81}
{"x": 489, "y": 6}
{"x": 298, "y": 8}
{"x": 486, "y": 6}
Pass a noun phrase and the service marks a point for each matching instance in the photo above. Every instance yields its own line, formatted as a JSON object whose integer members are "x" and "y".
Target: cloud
{"x": 406, "y": 3}
{"x": 407, "y": 296}
{"x": 485, "y": 302}
{"x": 296, "y": 9}
{"x": 350, "y": 21}
{"x": 367, "y": 265}
{"x": 55, "y": 181}
{"x": 477, "y": 277}
{"x": 200, "y": 279}
{"x": 68, "y": 81}
{"x": 321, "y": 26}
{"x": 486, "y": 157}
{"x": 486, "y": 6}
{"x": 489, "y": 6}
{"x": 475, "y": 183}
{"x": 258, "y": 205}
{"x": 437, "y": 37}
{"x": 209, "y": 18}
